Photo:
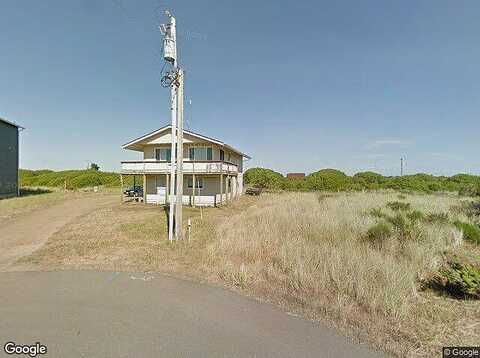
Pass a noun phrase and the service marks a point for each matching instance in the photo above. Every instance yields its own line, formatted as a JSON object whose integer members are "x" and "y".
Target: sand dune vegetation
{"x": 399, "y": 271}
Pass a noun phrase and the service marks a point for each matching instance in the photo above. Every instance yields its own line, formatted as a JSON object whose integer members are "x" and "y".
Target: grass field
{"x": 361, "y": 262}
{"x": 74, "y": 179}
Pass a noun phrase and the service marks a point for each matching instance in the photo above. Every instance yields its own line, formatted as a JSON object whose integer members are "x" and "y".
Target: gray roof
{"x": 11, "y": 123}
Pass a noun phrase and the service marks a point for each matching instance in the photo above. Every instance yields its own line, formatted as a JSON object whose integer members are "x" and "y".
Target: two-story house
{"x": 212, "y": 170}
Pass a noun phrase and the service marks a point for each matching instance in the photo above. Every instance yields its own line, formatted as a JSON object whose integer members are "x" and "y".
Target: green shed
{"x": 9, "y": 158}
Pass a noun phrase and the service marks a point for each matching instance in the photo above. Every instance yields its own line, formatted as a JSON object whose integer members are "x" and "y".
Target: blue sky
{"x": 298, "y": 85}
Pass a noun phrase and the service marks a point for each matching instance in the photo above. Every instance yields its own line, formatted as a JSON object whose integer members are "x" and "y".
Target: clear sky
{"x": 298, "y": 85}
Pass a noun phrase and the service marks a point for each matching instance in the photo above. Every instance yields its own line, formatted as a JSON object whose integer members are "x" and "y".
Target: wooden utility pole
{"x": 179, "y": 206}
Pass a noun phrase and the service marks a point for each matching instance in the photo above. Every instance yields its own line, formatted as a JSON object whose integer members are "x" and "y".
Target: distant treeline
{"x": 74, "y": 179}
{"x": 335, "y": 180}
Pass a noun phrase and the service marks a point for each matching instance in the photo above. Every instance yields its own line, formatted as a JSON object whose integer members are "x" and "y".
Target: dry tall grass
{"x": 304, "y": 251}
{"x": 307, "y": 251}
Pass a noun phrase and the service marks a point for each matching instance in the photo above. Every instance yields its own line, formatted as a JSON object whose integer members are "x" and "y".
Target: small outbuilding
{"x": 9, "y": 159}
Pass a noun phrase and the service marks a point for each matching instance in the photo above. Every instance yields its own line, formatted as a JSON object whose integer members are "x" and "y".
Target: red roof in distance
{"x": 296, "y": 175}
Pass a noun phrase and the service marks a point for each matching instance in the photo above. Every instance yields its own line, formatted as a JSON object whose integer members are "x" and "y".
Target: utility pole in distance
{"x": 401, "y": 167}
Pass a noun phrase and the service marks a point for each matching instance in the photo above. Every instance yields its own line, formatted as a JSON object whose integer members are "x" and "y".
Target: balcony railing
{"x": 189, "y": 167}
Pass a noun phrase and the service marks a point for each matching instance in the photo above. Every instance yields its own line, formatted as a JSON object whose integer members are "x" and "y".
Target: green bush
{"x": 470, "y": 231}
{"x": 264, "y": 178}
{"x": 399, "y": 206}
{"x": 459, "y": 280}
{"x": 377, "y": 213}
{"x": 440, "y": 218}
{"x": 328, "y": 180}
{"x": 405, "y": 228}
{"x": 378, "y": 233}
{"x": 369, "y": 180}
{"x": 416, "y": 216}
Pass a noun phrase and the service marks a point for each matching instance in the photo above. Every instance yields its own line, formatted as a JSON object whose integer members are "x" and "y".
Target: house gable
{"x": 163, "y": 136}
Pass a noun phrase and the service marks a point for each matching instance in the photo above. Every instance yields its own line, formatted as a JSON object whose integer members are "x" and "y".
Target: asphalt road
{"x": 92, "y": 314}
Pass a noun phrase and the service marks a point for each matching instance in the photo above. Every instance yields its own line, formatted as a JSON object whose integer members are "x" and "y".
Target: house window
{"x": 163, "y": 154}
{"x": 200, "y": 153}
{"x": 222, "y": 155}
{"x": 198, "y": 183}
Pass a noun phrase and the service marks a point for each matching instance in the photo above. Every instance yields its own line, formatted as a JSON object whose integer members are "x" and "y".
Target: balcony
{"x": 189, "y": 167}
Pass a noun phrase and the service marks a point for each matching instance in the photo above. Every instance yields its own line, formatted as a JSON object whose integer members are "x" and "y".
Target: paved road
{"x": 91, "y": 314}
{"x": 24, "y": 235}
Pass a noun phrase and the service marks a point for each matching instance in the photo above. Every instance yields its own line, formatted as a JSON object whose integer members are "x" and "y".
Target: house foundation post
{"x": 144, "y": 188}
{"x": 193, "y": 189}
{"x": 167, "y": 189}
{"x": 234, "y": 187}
{"x": 121, "y": 188}
{"x": 221, "y": 188}
{"x": 227, "y": 188}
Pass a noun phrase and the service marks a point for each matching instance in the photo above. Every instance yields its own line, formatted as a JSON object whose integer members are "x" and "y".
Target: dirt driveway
{"x": 25, "y": 234}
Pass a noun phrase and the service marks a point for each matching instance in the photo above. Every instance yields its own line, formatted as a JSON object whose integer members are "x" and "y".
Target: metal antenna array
{"x": 174, "y": 79}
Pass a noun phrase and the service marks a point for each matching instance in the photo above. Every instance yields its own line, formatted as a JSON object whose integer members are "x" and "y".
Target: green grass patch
{"x": 437, "y": 218}
{"x": 74, "y": 179}
{"x": 416, "y": 216}
{"x": 399, "y": 206}
{"x": 378, "y": 233}
{"x": 470, "y": 232}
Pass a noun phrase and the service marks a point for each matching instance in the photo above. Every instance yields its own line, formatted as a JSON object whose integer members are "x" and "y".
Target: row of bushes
{"x": 335, "y": 180}
{"x": 74, "y": 179}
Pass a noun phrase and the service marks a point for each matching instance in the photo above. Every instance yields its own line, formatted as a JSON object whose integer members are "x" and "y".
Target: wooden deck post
{"x": 167, "y": 190}
{"x": 234, "y": 187}
{"x": 227, "y": 188}
{"x": 121, "y": 188}
{"x": 221, "y": 187}
{"x": 144, "y": 188}
{"x": 193, "y": 190}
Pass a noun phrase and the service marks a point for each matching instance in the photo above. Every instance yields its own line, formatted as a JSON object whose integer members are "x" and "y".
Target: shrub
{"x": 379, "y": 233}
{"x": 440, "y": 218}
{"x": 377, "y": 213}
{"x": 415, "y": 216}
{"x": 329, "y": 179}
{"x": 405, "y": 228}
{"x": 458, "y": 279}
{"x": 470, "y": 231}
{"x": 264, "y": 178}
{"x": 369, "y": 180}
{"x": 399, "y": 206}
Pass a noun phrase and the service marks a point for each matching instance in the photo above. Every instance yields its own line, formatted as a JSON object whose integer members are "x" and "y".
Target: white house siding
{"x": 156, "y": 186}
{"x": 149, "y": 153}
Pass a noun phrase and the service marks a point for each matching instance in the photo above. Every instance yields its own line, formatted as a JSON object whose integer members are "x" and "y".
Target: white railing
{"x": 156, "y": 167}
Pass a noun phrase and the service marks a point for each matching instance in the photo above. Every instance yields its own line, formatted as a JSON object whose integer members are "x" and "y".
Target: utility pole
{"x": 401, "y": 167}
{"x": 174, "y": 80}
{"x": 178, "y": 211}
